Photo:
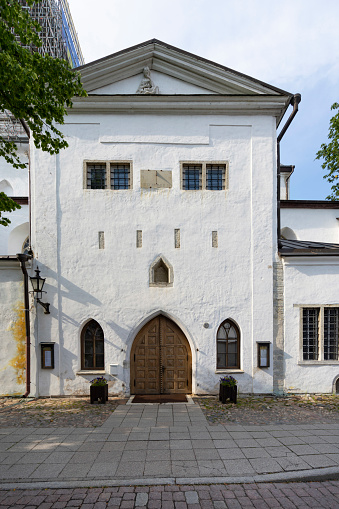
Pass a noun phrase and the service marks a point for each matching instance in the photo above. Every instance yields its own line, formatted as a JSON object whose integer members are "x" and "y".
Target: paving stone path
{"x": 165, "y": 444}
{"x": 221, "y": 496}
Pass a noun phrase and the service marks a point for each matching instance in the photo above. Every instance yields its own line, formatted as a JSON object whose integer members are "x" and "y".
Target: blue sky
{"x": 292, "y": 44}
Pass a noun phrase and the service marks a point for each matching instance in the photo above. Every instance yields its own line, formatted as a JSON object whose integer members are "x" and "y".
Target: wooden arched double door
{"x": 161, "y": 359}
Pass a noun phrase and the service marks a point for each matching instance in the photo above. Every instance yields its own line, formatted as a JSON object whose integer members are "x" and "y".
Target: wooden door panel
{"x": 176, "y": 359}
{"x": 161, "y": 360}
{"x": 145, "y": 360}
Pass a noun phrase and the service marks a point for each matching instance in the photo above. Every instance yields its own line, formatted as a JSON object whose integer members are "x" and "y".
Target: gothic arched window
{"x": 228, "y": 346}
{"x": 92, "y": 346}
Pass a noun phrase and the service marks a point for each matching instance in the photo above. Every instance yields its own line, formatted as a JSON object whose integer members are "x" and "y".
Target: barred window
{"x": 215, "y": 177}
{"x": 331, "y": 333}
{"x": 210, "y": 176}
{"x": 96, "y": 176}
{"x": 310, "y": 333}
{"x": 320, "y": 333}
{"x": 120, "y": 176}
{"x": 192, "y": 177}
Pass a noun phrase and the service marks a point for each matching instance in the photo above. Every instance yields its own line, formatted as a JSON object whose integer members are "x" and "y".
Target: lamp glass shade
{"x": 37, "y": 282}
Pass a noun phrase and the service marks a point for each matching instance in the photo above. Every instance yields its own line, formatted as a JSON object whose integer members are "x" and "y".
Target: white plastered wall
{"x": 12, "y": 351}
{"x": 308, "y": 281}
{"x": 111, "y": 285}
{"x": 14, "y": 182}
{"x": 317, "y": 225}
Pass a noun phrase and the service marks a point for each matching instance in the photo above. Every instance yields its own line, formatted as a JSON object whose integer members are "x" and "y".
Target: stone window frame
{"x": 108, "y": 164}
{"x": 321, "y": 336}
{"x": 169, "y": 267}
{"x": 203, "y": 165}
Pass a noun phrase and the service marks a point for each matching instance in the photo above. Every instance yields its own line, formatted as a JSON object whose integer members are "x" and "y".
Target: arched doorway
{"x": 161, "y": 359}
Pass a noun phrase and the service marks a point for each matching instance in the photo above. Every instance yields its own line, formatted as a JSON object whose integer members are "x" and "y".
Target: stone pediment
{"x": 172, "y": 71}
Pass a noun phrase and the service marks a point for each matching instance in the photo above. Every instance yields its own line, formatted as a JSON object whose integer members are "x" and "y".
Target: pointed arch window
{"x": 228, "y": 346}
{"x": 92, "y": 346}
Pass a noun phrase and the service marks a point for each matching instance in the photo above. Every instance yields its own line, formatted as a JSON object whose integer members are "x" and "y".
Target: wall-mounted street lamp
{"x": 38, "y": 284}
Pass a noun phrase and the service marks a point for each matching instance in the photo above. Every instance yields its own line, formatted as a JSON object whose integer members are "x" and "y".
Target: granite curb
{"x": 319, "y": 474}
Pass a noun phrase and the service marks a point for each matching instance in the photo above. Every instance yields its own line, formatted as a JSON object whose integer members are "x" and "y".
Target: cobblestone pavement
{"x": 257, "y": 410}
{"x": 219, "y": 496}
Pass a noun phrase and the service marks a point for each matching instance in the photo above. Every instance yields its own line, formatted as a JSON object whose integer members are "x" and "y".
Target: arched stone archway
{"x": 161, "y": 359}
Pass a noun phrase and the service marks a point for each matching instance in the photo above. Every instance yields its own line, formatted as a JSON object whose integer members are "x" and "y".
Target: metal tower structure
{"x": 59, "y": 40}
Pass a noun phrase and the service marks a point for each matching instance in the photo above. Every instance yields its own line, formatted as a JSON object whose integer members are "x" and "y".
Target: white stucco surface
{"x": 14, "y": 182}
{"x": 12, "y": 351}
{"x": 111, "y": 285}
{"x": 318, "y": 225}
{"x": 308, "y": 281}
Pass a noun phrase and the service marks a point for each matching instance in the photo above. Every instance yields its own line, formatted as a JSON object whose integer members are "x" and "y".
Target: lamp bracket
{"x": 45, "y": 305}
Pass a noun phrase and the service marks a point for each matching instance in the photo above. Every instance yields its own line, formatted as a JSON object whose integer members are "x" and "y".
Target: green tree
{"x": 34, "y": 87}
{"x": 330, "y": 154}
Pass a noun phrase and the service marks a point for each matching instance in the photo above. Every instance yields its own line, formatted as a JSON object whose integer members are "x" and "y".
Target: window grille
{"x": 215, "y": 177}
{"x": 120, "y": 176}
{"x": 331, "y": 333}
{"x": 192, "y": 177}
{"x": 310, "y": 333}
{"x": 96, "y": 176}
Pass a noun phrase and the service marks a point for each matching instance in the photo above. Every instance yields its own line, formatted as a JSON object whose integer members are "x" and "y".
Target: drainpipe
{"x": 23, "y": 258}
{"x": 28, "y": 132}
{"x": 295, "y": 100}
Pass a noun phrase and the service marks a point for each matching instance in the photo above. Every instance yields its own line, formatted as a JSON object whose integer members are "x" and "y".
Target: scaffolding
{"x": 59, "y": 40}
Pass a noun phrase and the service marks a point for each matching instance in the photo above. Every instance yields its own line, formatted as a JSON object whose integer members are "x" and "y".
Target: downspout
{"x": 28, "y": 132}
{"x": 295, "y": 100}
{"x": 23, "y": 258}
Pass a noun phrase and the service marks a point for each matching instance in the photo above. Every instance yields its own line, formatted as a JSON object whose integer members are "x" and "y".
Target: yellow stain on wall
{"x": 19, "y": 335}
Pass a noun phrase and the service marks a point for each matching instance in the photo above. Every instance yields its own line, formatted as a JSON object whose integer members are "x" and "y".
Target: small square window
{"x": 120, "y": 176}
{"x": 96, "y": 176}
{"x": 215, "y": 177}
{"x": 192, "y": 177}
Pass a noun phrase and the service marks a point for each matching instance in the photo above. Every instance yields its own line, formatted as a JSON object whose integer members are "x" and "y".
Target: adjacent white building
{"x": 156, "y": 231}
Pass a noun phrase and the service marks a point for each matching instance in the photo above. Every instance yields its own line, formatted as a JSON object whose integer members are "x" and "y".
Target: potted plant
{"x": 228, "y": 389}
{"x": 99, "y": 390}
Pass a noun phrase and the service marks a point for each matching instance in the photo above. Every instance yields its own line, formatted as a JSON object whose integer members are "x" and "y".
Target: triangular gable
{"x": 204, "y": 76}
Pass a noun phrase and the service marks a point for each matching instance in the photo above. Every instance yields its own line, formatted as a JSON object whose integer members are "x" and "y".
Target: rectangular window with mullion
{"x": 310, "y": 334}
{"x": 96, "y": 176}
{"x": 192, "y": 177}
{"x": 215, "y": 177}
{"x": 331, "y": 333}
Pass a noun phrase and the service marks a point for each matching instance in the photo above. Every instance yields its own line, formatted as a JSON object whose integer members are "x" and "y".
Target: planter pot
{"x": 99, "y": 393}
{"x": 227, "y": 392}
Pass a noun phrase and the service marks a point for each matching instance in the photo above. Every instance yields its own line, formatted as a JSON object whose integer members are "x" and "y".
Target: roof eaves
{"x": 155, "y": 42}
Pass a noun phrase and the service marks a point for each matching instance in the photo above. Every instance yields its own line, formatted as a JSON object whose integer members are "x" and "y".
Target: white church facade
{"x": 156, "y": 231}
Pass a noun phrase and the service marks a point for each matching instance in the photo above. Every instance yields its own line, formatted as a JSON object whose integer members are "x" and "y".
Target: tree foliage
{"x": 330, "y": 154}
{"x": 34, "y": 87}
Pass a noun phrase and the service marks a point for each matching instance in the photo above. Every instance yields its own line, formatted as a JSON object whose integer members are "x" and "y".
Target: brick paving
{"x": 216, "y": 496}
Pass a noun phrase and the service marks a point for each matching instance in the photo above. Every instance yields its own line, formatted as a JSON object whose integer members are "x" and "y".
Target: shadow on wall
{"x": 17, "y": 238}
{"x": 5, "y": 187}
{"x": 288, "y": 234}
